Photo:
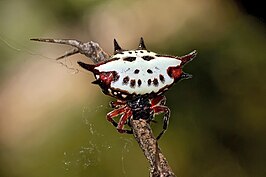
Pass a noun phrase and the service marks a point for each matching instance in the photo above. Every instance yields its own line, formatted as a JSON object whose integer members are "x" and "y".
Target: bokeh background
{"x": 52, "y": 120}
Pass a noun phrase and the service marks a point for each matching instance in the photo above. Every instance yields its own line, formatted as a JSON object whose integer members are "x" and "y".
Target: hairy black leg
{"x": 166, "y": 111}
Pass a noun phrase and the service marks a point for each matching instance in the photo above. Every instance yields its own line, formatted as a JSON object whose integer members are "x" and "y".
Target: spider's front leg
{"x": 123, "y": 120}
{"x": 159, "y": 100}
{"x": 116, "y": 104}
{"x": 162, "y": 109}
{"x": 115, "y": 113}
{"x": 126, "y": 113}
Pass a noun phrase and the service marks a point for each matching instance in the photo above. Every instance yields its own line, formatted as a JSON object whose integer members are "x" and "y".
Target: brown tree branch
{"x": 148, "y": 143}
{"x": 141, "y": 129}
{"x": 92, "y": 50}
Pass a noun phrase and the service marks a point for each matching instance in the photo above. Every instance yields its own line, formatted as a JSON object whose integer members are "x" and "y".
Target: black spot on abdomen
{"x": 132, "y": 83}
{"x": 136, "y": 71}
{"x": 113, "y": 59}
{"x": 125, "y": 80}
{"x": 149, "y": 82}
{"x": 155, "y": 82}
{"x": 130, "y": 59}
{"x": 116, "y": 76}
{"x": 149, "y": 71}
{"x": 148, "y": 58}
{"x": 161, "y": 78}
{"x": 139, "y": 82}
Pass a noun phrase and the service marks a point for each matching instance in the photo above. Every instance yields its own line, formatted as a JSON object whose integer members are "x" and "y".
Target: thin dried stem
{"x": 159, "y": 166}
{"x": 91, "y": 49}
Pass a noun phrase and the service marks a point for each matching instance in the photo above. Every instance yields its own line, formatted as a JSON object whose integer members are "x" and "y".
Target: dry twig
{"x": 149, "y": 145}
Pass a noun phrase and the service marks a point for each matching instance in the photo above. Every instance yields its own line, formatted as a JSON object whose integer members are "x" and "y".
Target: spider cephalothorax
{"x": 138, "y": 78}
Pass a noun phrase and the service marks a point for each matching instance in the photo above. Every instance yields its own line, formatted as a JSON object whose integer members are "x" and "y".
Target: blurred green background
{"x": 52, "y": 120}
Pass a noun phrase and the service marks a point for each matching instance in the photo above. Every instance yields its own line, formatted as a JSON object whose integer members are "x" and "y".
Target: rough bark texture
{"x": 141, "y": 129}
{"x": 158, "y": 164}
{"x": 92, "y": 50}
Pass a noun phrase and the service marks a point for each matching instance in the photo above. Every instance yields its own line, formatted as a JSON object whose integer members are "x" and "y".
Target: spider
{"x": 136, "y": 78}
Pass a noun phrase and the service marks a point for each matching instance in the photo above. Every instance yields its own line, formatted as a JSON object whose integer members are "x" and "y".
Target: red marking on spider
{"x": 107, "y": 77}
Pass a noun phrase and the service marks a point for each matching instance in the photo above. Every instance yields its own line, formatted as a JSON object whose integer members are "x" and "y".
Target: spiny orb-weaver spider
{"x": 137, "y": 79}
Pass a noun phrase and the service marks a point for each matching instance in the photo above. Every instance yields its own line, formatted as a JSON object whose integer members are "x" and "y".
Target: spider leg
{"x": 116, "y": 104}
{"x": 166, "y": 111}
{"x": 115, "y": 113}
{"x": 123, "y": 121}
{"x": 159, "y": 100}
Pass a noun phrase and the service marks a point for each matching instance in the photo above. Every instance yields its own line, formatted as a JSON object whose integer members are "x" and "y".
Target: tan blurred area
{"x": 52, "y": 119}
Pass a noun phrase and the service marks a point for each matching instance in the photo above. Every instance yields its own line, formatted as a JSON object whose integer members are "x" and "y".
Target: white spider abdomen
{"x": 140, "y": 72}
